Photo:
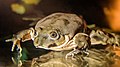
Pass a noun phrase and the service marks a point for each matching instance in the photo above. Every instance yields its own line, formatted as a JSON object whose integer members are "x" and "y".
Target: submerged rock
{"x": 96, "y": 58}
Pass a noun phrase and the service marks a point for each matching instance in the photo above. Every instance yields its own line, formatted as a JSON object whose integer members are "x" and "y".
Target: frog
{"x": 65, "y": 31}
{"x": 55, "y": 32}
{"x": 61, "y": 31}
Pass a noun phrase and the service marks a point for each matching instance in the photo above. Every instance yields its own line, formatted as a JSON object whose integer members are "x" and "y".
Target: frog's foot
{"x": 85, "y": 52}
{"x": 75, "y": 52}
{"x": 72, "y": 53}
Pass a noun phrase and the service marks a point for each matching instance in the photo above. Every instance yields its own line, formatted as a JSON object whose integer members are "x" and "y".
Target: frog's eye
{"x": 54, "y": 35}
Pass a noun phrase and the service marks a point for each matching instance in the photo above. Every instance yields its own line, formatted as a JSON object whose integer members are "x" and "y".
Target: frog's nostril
{"x": 52, "y": 45}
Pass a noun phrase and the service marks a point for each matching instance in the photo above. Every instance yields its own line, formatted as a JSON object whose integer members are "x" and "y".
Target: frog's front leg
{"x": 22, "y": 36}
{"x": 82, "y": 42}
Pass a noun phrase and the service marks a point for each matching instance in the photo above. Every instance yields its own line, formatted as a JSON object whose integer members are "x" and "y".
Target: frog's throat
{"x": 67, "y": 39}
{"x": 67, "y": 45}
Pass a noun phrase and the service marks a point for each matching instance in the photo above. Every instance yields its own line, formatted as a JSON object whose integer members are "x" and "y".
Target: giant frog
{"x": 64, "y": 31}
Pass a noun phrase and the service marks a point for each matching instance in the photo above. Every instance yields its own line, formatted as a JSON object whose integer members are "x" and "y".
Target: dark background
{"x": 11, "y": 23}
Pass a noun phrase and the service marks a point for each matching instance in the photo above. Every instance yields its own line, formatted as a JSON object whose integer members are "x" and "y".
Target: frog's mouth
{"x": 67, "y": 45}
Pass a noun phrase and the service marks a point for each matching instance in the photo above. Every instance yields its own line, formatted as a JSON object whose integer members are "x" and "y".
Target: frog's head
{"x": 56, "y": 30}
